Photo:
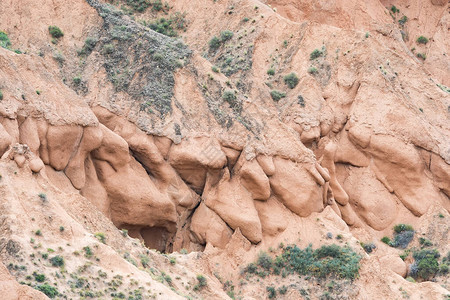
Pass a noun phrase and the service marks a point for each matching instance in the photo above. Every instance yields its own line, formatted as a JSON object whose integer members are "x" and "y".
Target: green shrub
{"x": 443, "y": 269}
{"x": 271, "y": 291}
{"x": 264, "y": 261}
{"x": 214, "y": 43}
{"x": 271, "y": 72}
{"x": 425, "y": 242}
{"x": 88, "y": 252}
{"x": 331, "y": 260}
{"x": 312, "y": 70}
{"x": 422, "y": 40}
{"x": 403, "y": 20}
{"x": 4, "y": 40}
{"x": 421, "y": 56}
{"x": 179, "y": 21}
{"x": 55, "y": 32}
{"x": 57, "y": 261}
{"x": 202, "y": 282}
{"x": 315, "y": 54}
{"x": 61, "y": 228}
{"x": 394, "y": 9}
{"x": 39, "y": 277}
{"x": 144, "y": 260}
{"x": 229, "y": 96}
{"x": 282, "y": 290}
{"x": 1, "y": 95}
{"x": 291, "y": 80}
{"x": 38, "y": 232}
{"x": 277, "y": 95}
{"x": 226, "y": 35}
{"x": 402, "y": 239}
{"x": 138, "y": 5}
{"x": 90, "y": 43}
{"x": 108, "y": 49}
{"x": 215, "y": 69}
{"x": 101, "y": 237}
{"x": 251, "y": 268}
{"x": 124, "y": 232}
{"x": 164, "y": 26}
{"x": 426, "y": 262}
{"x": 59, "y": 57}
{"x": 77, "y": 80}
{"x": 157, "y": 5}
{"x": 403, "y": 227}
{"x": 405, "y": 254}
{"x": 48, "y": 290}
{"x": 368, "y": 247}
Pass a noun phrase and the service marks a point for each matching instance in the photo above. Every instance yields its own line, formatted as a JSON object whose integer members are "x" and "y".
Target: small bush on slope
{"x": 326, "y": 261}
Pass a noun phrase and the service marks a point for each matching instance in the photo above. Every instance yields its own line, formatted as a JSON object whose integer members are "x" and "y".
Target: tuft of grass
{"x": 271, "y": 72}
{"x": 312, "y": 70}
{"x": 215, "y": 69}
{"x": 38, "y": 232}
{"x": 101, "y": 237}
{"x": 1, "y": 95}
